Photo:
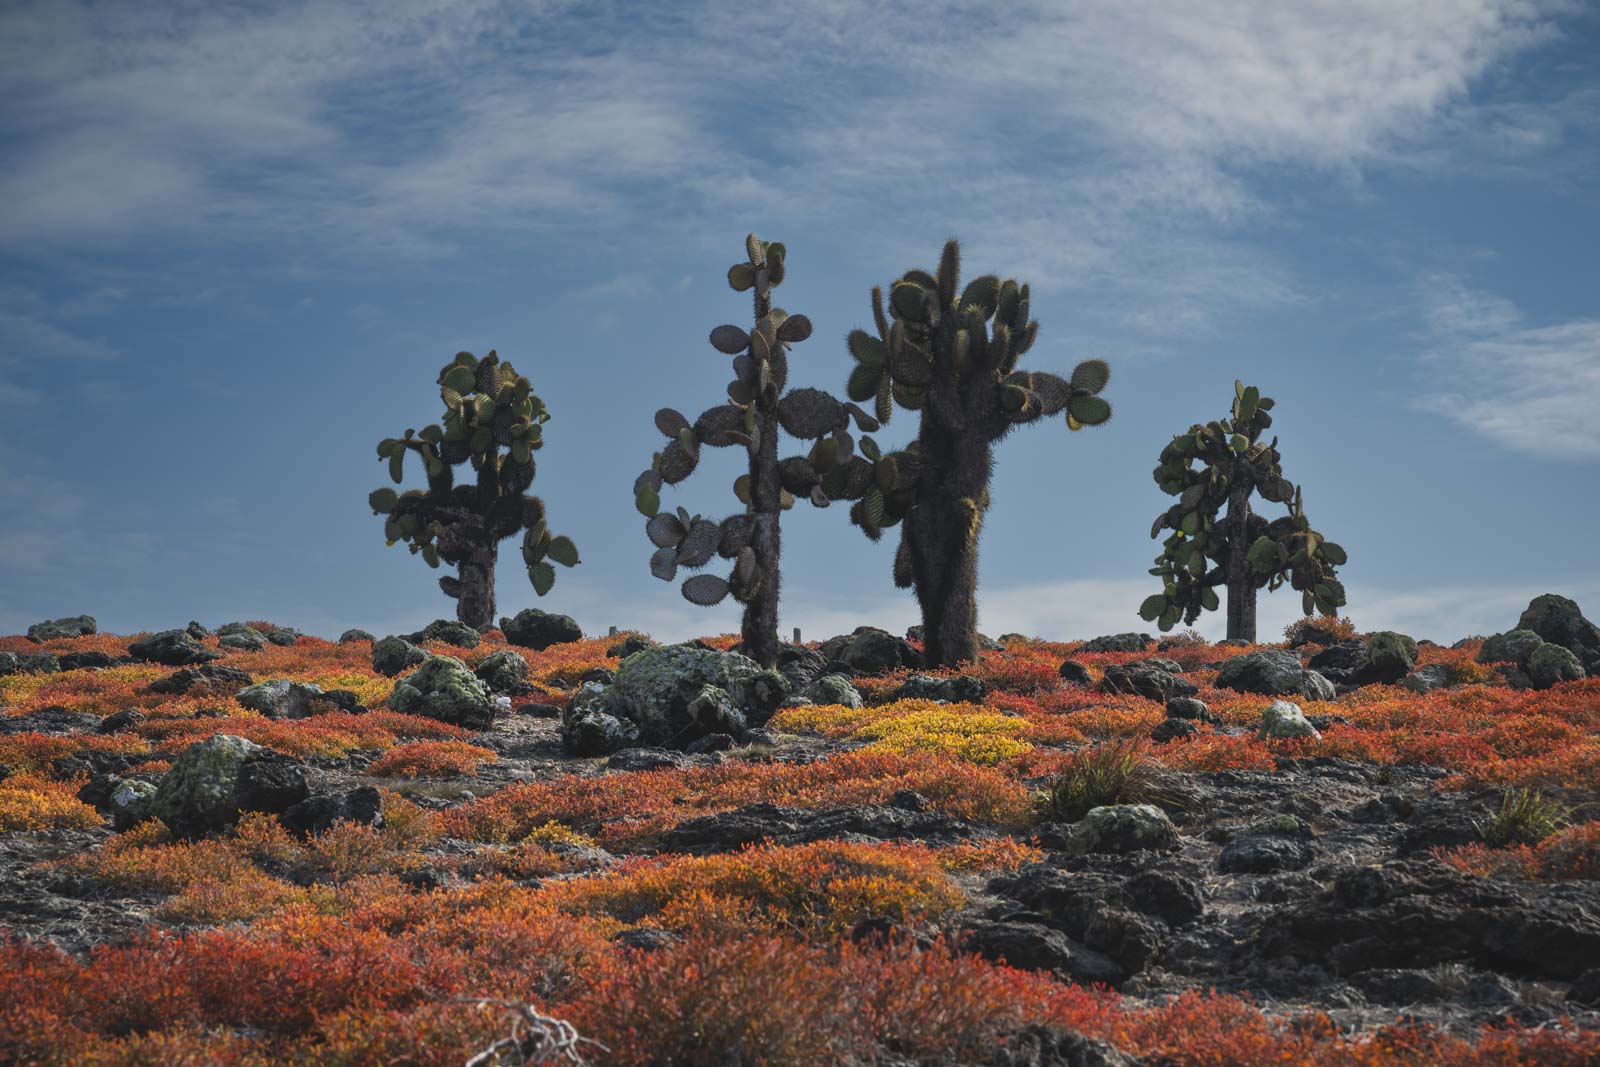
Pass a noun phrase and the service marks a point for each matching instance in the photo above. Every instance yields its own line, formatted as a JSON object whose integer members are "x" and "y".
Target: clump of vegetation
{"x": 1112, "y": 772}
{"x": 1526, "y": 817}
{"x": 493, "y": 421}
{"x": 1319, "y": 630}
{"x": 1236, "y": 549}
{"x": 758, "y": 407}
{"x": 951, "y": 355}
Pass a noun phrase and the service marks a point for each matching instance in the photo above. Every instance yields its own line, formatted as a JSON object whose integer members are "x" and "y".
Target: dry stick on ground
{"x": 535, "y": 1038}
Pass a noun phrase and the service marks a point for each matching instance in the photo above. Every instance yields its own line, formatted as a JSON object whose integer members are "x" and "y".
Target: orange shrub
{"x": 431, "y": 759}
{"x": 33, "y": 802}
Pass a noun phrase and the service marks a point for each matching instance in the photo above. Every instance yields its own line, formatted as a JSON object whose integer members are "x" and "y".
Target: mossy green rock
{"x": 834, "y": 689}
{"x": 1123, "y": 828}
{"x": 444, "y": 688}
{"x": 1389, "y": 656}
{"x": 1283, "y": 720}
{"x": 1513, "y": 646}
{"x": 200, "y": 793}
{"x": 502, "y": 670}
{"x": 449, "y": 631}
{"x": 1559, "y": 621}
{"x": 395, "y": 655}
{"x": 1551, "y": 664}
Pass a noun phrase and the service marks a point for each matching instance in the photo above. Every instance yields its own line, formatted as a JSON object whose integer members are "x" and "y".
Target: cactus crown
{"x": 951, "y": 353}
{"x": 758, "y": 406}
{"x": 494, "y": 421}
{"x": 1195, "y": 557}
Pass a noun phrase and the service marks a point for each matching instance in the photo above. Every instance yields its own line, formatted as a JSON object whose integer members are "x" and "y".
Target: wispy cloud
{"x": 1531, "y": 388}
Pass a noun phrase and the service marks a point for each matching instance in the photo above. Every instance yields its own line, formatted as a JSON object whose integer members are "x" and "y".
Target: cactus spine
{"x": 1238, "y": 549}
{"x": 493, "y": 421}
{"x": 758, "y": 408}
{"x": 950, "y": 354}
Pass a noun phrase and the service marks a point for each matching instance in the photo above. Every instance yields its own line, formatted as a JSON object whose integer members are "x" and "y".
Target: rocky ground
{"x": 1311, "y": 842}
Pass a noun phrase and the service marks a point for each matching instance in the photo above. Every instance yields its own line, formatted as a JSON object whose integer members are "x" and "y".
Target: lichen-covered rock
{"x": 1551, "y": 664}
{"x": 1283, "y": 719}
{"x": 350, "y": 637}
{"x": 172, "y": 648}
{"x": 130, "y": 803}
{"x": 674, "y": 695}
{"x": 449, "y": 631}
{"x": 538, "y": 630}
{"x": 1269, "y": 671}
{"x": 1513, "y": 646}
{"x": 281, "y": 698}
{"x": 54, "y": 629}
{"x": 247, "y": 639}
{"x": 502, "y": 671}
{"x": 958, "y": 689}
{"x": 444, "y": 688}
{"x": 396, "y": 655}
{"x": 1127, "y": 642}
{"x": 200, "y": 793}
{"x": 1557, "y": 620}
{"x": 1389, "y": 656}
{"x": 1314, "y": 686}
{"x": 1123, "y": 828}
{"x": 834, "y": 689}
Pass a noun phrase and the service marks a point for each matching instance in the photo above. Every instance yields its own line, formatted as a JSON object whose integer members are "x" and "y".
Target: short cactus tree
{"x": 1237, "y": 549}
{"x": 951, "y": 355}
{"x": 493, "y": 421}
{"x": 758, "y": 408}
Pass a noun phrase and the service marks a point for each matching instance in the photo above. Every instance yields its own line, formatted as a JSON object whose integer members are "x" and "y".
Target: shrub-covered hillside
{"x": 253, "y": 846}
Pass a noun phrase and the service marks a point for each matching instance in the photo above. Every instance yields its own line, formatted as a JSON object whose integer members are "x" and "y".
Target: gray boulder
{"x": 1190, "y": 708}
{"x": 77, "y": 661}
{"x": 1127, "y": 642}
{"x": 959, "y": 689}
{"x": 130, "y": 803}
{"x": 1513, "y": 646}
{"x": 284, "y": 637}
{"x": 396, "y": 655}
{"x": 834, "y": 689}
{"x": 209, "y": 679}
{"x": 443, "y": 688}
{"x": 319, "y": 814}
{"x": 54, "y": 629}
{"x": 350, "y": 637}
{"x": 1270, "y": 672}
{"x": 1551, "y": 664}
{"x": 869, "y": 650}
{"x": 1427, "y": 679}
{"x": 197, "y": 631}
{"x": 448, "y": 631}
{"x": 1074, "y": 673}
{"x": 538, "y": 630}
{"x": 626, "y": 647}
{"x": 8, "y": 664}
{"x": 281, "y": 698}
{"x": 247, "y": 639}
{"x": 1282, "y": 719}
{"x": 172, "y": 648}
{"x": 1146, "y": 680}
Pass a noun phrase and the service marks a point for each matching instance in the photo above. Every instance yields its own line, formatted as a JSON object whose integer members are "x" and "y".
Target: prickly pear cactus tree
{"x": 759, "y": 407}
{"x": 950, "y": 354}
{"x": 493, "y": 424}
{"x": 1218, "y": 466}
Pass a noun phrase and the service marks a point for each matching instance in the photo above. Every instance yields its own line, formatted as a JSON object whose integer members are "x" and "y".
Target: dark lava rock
{"x": 1270, "y": 672}
{"x": 1130, "y": 939}
{"x": 1558, "y": 620}
{"x": 1033, "y": 946}
{"x": 316, "y": 815}
{"x": 172, "y": 648}
{"x": 77, "y": 661}
{"x": 1128, "y": 642}
{"x": 246, "y": 640}
{"x": 1389, "y": 985}
{"x": 732, "y": 830}
{"x": 271, "y": 782}
{"x": 1147, "y": 681}
{"x": 645, "y": 759}
{"x": 8, "y": 664}
{"x": 603, "y": 675}
{"x": 1281, "y": 844}
{"x": 638, "y": 643}
{"x": 285, "y": 638}
{"x": 1044, "y": 1046}
{"x": 53, "y": 719}
{"x": 1173, "y": 730}
{"x": 709, "y": 743}
{"x": 197, "y": 631}
{"x": 126, "y": 719}
{"x": 1074, "y": 673}
{"x": 1427, "y": 679}
{"x": 449, "y": 631}
{"x": 802, "y": 666}
{"x": 503, "y": 670}
{"x": 211, "y": 679}
{"x": 35, "y": 663}
{"x": 1168, "y": 896}
{"x": 350, "y": 637}
{"x": 55, "y": 629}
{"x": 396, "y": 655}
{"x": 538, "y": 630}
{"x": 959, "y": 689}
{"x": 646, "y": 938}
{"x": 539, "y": 711}
{"x": 1190, "y": 708}
{"x": 1586, "y": 989}
{"x": 869, "y": 650}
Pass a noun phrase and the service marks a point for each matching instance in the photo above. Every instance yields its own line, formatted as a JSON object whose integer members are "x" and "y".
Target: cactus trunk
{"x": 759, "y": 627}
{"x": 1241, "y": 580}
{"x": 475, "y": 605}
{"x": 944, "y": 526}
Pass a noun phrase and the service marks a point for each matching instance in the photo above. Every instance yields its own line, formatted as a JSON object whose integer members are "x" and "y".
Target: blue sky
{"x": 238, "y": 240}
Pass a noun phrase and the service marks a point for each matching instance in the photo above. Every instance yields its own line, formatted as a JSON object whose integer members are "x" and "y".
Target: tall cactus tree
{"x": 758, "y": 407}
{"x": 493, "y": 421}
{"x": 1238, "y": 550}
{"x": 949, "y": 354}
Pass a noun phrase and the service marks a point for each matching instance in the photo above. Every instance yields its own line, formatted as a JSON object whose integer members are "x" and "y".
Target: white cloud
{"x": 1531, "y": 388}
